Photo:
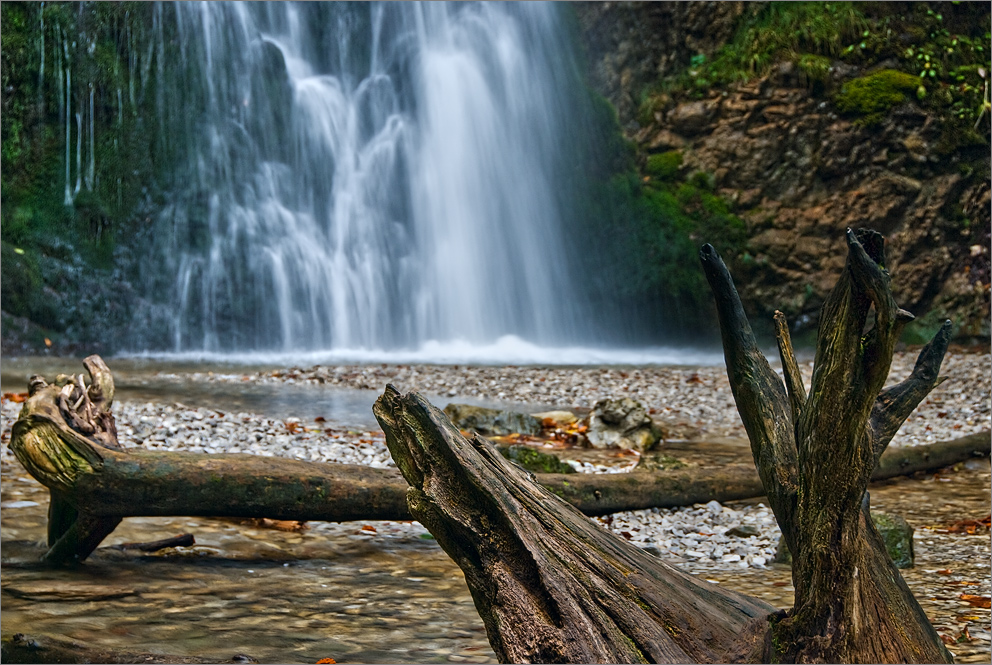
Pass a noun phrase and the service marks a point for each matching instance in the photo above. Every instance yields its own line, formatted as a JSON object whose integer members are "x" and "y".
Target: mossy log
{"x": 94, "y": 483}
{"x": 552, "y": 587}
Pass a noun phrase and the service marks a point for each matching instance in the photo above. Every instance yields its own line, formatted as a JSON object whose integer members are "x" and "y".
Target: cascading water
{"x": 369, "y": 176}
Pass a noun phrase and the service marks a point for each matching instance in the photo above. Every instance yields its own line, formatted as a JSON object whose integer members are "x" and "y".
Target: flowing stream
{"x": 369, "y": 176}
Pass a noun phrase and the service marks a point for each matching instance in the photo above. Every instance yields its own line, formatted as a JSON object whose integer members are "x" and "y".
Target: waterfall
{"x": 368, "y": 176}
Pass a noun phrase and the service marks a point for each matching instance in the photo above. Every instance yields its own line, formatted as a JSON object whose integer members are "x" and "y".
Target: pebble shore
{"x": 692, "y": 402}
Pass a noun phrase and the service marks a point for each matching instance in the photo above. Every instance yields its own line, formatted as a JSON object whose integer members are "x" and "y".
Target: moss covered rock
{"x": 534, "y": 460}
{"x": 872, "y": 96}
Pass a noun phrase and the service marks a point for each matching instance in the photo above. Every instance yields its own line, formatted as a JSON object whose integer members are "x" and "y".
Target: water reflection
{"x": 334, "y": 591}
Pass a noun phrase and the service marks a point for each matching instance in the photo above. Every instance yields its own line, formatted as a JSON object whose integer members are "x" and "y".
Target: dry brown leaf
{"x": 984, "y": 602}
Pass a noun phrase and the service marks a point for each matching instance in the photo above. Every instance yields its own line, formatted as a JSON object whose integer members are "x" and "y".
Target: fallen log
{"x": 94, "y": 483}
{"x": 21, "y": 648}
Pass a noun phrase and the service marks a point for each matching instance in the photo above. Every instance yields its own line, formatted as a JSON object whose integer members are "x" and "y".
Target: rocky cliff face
{"x": 798, "y": 171}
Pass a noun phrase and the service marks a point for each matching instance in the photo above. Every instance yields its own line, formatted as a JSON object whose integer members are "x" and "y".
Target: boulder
{"x": 492, "y": 422}
{"x": 621, "y": 423}
{"x": 896, "y": 532}
{"x": 898, "y": 537}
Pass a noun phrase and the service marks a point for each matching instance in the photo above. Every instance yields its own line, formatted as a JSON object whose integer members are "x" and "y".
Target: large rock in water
{"x": 895, "y": 531}
{"x": 621, "y": 423}
{"x": 493, "y": 422}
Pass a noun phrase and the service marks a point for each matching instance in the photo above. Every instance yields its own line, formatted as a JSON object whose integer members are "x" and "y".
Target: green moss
{"x": 665, "y": 165}
{"x": 534, "y": 460}
{"x": 898, "y": 537}
{"x": 872, "y": 96}
{"x": 814, "y": 68}
{"x": 922, "y": 329}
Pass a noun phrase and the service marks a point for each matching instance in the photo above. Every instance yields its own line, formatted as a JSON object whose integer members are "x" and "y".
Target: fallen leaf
{"x": 320, "y": 419}
{"x": 947, "y": 639}
{"x": 326, "y": 661}
{"x": 984, "y": 602}
{"x": 16, "y": 398}
{"x": 369, "y": 527}
{"x": 964, "y": 636}
{"x": 946, "y": 571}
{"x": 970, "y": 527}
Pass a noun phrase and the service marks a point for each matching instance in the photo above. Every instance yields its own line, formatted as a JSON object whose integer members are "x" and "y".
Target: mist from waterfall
{"x": 369, "y": 176}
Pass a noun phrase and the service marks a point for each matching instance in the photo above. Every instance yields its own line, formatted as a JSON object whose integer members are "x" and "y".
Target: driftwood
{"x": 21, "y": 648}
{"x": 94, "y": 483}
{"x": 551, "y": 587}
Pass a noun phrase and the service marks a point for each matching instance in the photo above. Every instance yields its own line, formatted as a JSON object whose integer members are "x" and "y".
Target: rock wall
{"x": 799, "y": 172}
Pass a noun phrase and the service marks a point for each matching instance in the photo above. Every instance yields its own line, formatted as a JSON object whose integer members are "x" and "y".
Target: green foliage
{"x": 780, "y": 31}
{"x": 814, "y": 68}
{"x": 872, "y": 96}
{"x": 945, "y": 48}
{"x": 22, "y": 288}
{"x": 665, "y": 165}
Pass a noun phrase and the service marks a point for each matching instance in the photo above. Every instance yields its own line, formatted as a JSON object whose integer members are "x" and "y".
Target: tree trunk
{"x": 552, "y": 587}
{"x": 816, "y": 454}
{"x": 94, "y": 483}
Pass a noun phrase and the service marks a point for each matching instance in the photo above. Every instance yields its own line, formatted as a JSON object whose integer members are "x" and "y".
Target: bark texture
{"x": 549, "y": 584}
{"x": 816, "y": 454}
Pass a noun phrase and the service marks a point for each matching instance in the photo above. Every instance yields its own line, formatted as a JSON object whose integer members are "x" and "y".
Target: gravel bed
{"x": 691, "y": 402}
{"x": 698, "y": 533}
{"x": 178, "y": 427}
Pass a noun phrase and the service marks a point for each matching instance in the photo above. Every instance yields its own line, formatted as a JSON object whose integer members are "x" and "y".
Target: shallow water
{"x": 332, "y": 591}
{"x": 166, "y": 381}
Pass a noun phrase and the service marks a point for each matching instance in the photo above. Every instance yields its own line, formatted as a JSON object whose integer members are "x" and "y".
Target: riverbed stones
{"x": 492, "y": 422}
{"x": 551, "y": 419}
{"x": 621, "y": 423}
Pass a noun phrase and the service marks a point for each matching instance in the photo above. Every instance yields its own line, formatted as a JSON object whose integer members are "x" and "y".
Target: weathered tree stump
{"x": 816, "y": 453}
{"x": 552, "y": 587}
